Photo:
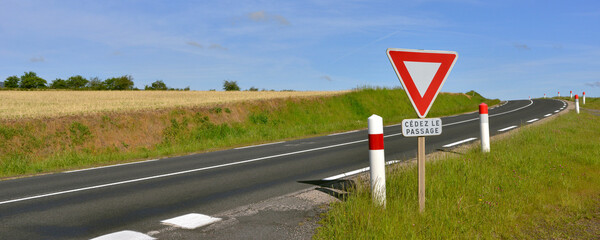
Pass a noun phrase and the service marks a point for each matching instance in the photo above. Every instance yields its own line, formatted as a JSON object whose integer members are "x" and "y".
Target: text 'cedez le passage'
{"x": 421, "y": 127}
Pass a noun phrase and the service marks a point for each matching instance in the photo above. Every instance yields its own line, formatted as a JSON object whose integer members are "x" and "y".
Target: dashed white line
{"x": 548, "y": 115}
{"x": 459, "y": 142}
{"x": 176, "y": 173}
{"x": 357, "y": 171}
{"x": 229, "y": 164}
{"x": 109, "y": 166}
{"x": 507, "y": 128}
{"x": 335, "y": 134}
{"x": 191, "y": 221}
{"x": 557, "y": 111}
{"x": 260, "y": 145}
{"x": 533, "y": 120}
{"x": 493, "y": 115}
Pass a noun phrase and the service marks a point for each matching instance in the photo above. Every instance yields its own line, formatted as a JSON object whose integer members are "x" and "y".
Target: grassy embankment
{"x": 542, "y": 182}
{"x": 53, "y": 143}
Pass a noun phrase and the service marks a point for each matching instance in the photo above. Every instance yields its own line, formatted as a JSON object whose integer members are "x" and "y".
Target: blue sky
{"x": 507, "y": 49}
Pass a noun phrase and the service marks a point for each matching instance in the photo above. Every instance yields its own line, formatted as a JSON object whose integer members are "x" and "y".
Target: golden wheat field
{"x": 38, "y": 104}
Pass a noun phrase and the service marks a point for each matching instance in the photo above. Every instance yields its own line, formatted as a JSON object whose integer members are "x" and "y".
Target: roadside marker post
{"x": 422, "y": 74}
{"x": 558, "y": 94}
{"x": 544, "y": 96}
{"x": 571, "y": 93}
{"x": 377, "y": 159}
{"x": 484, "y": 126}
{"x": 577, "y": 103}
{"x": 583, "y": 98}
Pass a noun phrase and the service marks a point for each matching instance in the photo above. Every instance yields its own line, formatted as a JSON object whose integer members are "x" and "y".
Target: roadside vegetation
{"x": 541, "y": 182}
{"x": 80, "y": 139}
{"x": 593, "y": 103}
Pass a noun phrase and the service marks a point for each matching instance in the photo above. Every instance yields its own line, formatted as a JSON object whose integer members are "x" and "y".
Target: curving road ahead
{"x": 93, "y": 202}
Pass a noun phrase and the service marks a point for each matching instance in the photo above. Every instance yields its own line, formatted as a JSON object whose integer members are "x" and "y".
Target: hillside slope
{"x": 29, "y": 146}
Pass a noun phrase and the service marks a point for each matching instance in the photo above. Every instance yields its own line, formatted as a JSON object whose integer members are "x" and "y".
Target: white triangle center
{"x": 422, "y": 74}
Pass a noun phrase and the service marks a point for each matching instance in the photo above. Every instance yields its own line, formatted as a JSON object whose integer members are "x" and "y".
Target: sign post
{"x": 422, "y": 74}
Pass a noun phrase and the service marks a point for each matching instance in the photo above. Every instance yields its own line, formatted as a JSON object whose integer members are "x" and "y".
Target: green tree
{"x": 96, "y": 84}
{"x": 12, "y": 82}
{"x": 59, "y": 84}
{"x": 157, "y": 85}
{"x": 31, "y": 80}
{"x": 120, "y": 83}
{"x": 77, "y": 82}
{"x": 230, "y": 86}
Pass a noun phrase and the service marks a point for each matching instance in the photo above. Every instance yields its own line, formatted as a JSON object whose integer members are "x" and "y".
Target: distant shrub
{"x": 12, "y": 82}
{"x": 157, "y": 85}
{"x": 76, "y": 82}
{"x": 31, "y": 80}
{"x": 253, "y": 89}
{"x": 59, "y": 84}
{"x": 230, "y": 86}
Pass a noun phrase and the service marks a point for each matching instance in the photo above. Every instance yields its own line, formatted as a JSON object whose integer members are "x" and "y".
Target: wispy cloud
{"x": 593, "y": 84}
{"x": 37, "y": 59}
{"x": 326, "y": 77}
{"x": 262, "y": 16}
{"x": 217, "y": 46}
{"x": 195, "y": 44}
{"x": 521, "y": 46}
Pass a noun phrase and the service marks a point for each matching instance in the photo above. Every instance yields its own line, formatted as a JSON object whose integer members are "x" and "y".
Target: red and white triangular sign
{"x": 422, "y": 74}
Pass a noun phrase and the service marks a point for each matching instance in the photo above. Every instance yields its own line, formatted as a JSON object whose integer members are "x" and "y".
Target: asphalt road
{"x": 93, "y": 202}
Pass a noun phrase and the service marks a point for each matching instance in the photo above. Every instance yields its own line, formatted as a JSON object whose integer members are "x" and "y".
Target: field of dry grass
{"x": 40, "y": 104}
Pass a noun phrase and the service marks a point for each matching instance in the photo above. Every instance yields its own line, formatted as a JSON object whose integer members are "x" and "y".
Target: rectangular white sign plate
{"x": 421, "y": 127}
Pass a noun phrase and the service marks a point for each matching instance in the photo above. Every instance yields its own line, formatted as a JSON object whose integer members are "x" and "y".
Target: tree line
{"x": 30, "y": 80}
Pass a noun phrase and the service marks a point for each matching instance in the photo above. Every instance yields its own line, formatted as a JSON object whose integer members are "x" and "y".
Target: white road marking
{"x": 533, "y": 120}
{"x": 335, "y": 134}
{"x": 557, "y": 111}
{"x": 493, "y": 115}
{"x": 231, "y": 164}
{"x": 123, "y": 235}
{"x": 109, "y": 166}
{"x": 548, "y": 115}
{"x": 346, "y": 174}
{"x": 260, "y": 145}
{"x": 459, "y": 142}
{"x": 357, "y": 171}
{"x": 507, "y": 128}
{"x": 191, "y": 221}
{"x": 177, "y": 173}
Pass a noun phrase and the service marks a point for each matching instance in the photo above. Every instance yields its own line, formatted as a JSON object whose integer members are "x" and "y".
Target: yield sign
{"x": 422, "y": 74}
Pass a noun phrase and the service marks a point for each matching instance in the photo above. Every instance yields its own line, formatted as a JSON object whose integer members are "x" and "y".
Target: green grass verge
{"x": 190, "y": 130}
{"x": 543, "y": 182}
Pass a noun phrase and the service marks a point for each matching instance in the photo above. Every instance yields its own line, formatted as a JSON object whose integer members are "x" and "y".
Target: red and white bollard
{"x": 544, "y": 96}
{"x": 558, "y": 94}
{"x": 377, "y": 159}
{"x": 583, "y": 98}
{"x": 484, "y": 127}
{"x": 571, "y": 93}
{"x": 577, "y": 103}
